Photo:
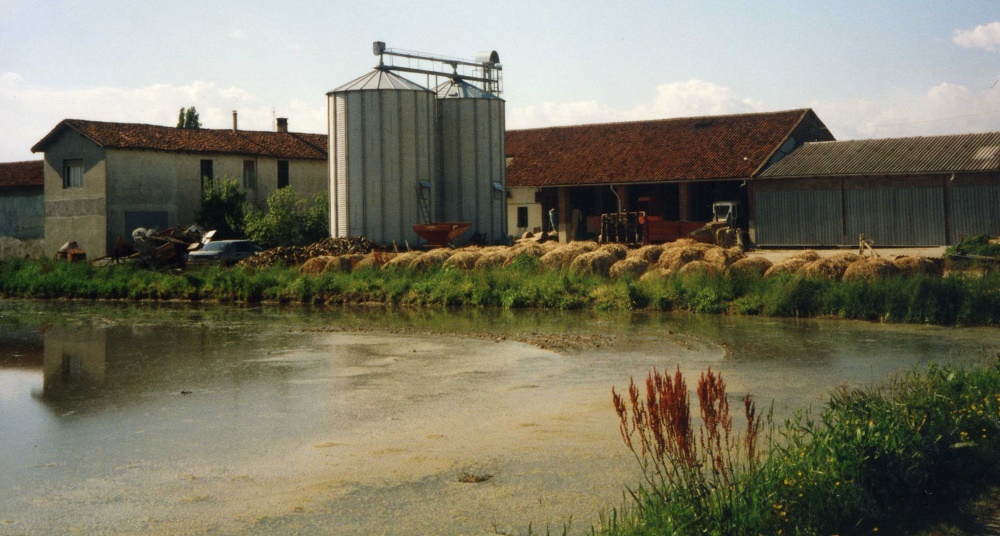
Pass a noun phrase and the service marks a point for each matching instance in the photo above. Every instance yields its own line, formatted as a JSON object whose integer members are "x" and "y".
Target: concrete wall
{"x": 523, "y": 197}
{"x": 22, "y": 212}
{"x": 75, "y": 214}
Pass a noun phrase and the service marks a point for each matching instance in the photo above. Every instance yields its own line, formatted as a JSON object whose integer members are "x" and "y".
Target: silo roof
{"x": 380, "y": 79}
{"x": 460, "y": 89}
{"x": 931, "y": 154}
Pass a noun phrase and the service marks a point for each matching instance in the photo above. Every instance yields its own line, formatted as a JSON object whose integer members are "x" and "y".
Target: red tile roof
{"x": 692, "y": 148}
{"x": 21, "y": 174}
{"x": 224, "y": 141}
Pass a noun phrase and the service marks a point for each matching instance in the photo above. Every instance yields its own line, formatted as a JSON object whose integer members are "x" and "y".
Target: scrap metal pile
{"x": 296, "y": 255}
{"x": 158, "y": 249}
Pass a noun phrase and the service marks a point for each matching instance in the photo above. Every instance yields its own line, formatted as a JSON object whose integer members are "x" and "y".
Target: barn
{"x": 917, "y": 191}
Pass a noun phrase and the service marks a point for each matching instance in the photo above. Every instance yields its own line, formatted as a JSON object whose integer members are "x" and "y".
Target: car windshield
{"x": 215, "y": 246}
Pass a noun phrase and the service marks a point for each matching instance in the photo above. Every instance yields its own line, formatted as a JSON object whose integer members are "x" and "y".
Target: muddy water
{"x": 190, "y": 420}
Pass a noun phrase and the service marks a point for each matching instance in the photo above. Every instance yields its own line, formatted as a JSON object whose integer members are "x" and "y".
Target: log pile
{"x": 297, "y": 255}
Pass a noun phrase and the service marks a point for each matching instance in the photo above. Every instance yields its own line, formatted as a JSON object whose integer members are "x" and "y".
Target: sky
{"x": 869, "y": 68}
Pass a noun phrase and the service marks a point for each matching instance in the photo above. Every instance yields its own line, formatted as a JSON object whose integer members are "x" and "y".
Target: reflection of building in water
{"x": 75, "y": 361}
{"x": 20, "y": 349}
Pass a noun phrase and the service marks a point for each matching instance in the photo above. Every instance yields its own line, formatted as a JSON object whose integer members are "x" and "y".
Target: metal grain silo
{"x": 381, "y": 132}
{"x": 472, "y": 180}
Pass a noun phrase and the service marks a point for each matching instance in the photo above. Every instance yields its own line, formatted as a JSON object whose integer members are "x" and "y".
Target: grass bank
{"x": 873, "y": 461}
{"x": 954, "y": 300}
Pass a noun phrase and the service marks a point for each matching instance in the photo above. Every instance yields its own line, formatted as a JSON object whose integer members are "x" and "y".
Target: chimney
{"x": 282, "y": 124}
{"x": 234, "y": 120}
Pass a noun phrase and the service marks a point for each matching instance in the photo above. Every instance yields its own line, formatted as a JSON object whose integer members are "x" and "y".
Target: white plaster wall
{"x": 523, "y": 197}
{"x": 75, "y": 214}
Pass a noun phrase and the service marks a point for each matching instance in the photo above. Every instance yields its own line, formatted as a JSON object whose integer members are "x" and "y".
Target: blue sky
{"x": 869, "y": 68}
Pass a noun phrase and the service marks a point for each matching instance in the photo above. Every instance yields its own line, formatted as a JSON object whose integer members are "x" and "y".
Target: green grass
{"x": 953, "y": 300}
{"x": 873, "y": 461}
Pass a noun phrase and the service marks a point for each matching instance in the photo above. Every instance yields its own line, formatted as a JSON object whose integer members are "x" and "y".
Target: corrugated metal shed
{"x": 933, "y": 154}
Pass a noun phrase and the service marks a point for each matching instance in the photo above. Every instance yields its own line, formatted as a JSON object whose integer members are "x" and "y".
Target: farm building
{"x": 923, "y": 191}
{"x": 673, "y": 170}
{"x": 22, "y": 203}
{"x": 103, "y": 180}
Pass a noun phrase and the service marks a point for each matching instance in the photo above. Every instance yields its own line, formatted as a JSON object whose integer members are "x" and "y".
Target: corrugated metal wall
{"x": 799, "y": 217}
{"x": 895, "y": 216}
{"x": 973, "y": 209}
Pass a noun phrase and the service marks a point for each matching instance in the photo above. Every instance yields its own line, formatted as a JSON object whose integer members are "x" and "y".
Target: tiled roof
{"x": 21, "y": 174}
{"x": 692, "y": 148}
{"x": 933, "y": 154}
{"x": 290, "y": 145}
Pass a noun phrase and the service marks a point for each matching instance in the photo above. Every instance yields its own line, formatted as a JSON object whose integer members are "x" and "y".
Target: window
{"x": 73, "y": 173}
{"x": 522, "y": 217}
{"x": 207, "y": 174}
{"x": 249, "y": 175}
{"x": 282, "y": 173}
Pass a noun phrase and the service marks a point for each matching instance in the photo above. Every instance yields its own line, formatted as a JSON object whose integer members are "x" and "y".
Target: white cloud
{"x": 943, "y": 109}
{"x": 986, "y": 36}
{"x": 31, "y": 111}
{"x": 675, "y": 99}
{"x": 237, "y": 35}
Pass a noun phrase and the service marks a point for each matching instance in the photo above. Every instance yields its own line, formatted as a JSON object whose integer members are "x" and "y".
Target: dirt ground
{"x": 778, "y": 255}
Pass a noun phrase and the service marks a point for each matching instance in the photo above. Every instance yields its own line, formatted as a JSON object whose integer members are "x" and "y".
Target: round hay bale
{"x": 870, "y": 269}
{"x": 910, "y": 265}
{"x": 619, "y": 251}
{"x": 846, "y": 256}
{"x": 723, "y": 257}
{"x": 675, "y": 258}
{"x": 787, "y": 266}
{"x": 490, "y": 259}
{"x": 681, "y": 243}
{"x": 698, "y": 267}
{"x": 315, "y": 265}
{"x": 651, "y": 276}
{"x": 629, "y": 267}
{"x": 806, "y": 255}
{"x": 402, "y": 259}
{"x": 830, "y": 269}
{"x": 375, "y": 259}
{"x": 650, "y": 253}
{"x": 430, "y": 259}
{"x": 593, "y": 262}
{"x": 341, "y": 263}
{"x": 531, "y": 248}
{"x": 749, "y": 266}
{"x": 465, "y": 260}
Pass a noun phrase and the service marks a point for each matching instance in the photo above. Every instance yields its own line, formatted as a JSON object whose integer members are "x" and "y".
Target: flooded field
{"x": 126, "y": 419}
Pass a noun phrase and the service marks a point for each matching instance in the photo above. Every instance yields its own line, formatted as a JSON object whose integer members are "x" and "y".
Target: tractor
{"x": 722, "y": 230}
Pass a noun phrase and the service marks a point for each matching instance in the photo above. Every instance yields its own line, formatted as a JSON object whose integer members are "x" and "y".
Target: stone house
{"x": 22, "y": 203}
{"x": 102, "y": 180}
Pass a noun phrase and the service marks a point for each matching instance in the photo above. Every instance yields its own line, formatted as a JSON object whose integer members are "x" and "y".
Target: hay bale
{"x": 749, "y": 266}
{"x": 315, "y": 265}
{"x": 698, "y": 267}
{"x": 723, "y": 257}
{"x": 806, "y": 255}
{"x": 651, "y": 276}
{"x": 341, "y": 263}
{"x": 464, "y": 260}
{"x": 870, "y": 269}
{"x": 829, "y": 268}
{"x": 402, "y": 259}
{"x": 674, "y": 258}
{"x": 530, "y": 248}
{"x": 629, "y": 267}
{"x": 787, "y": 266}
{"x": 847, "y": 256}
{"x": 593, "y": 262}
{"x": 429, "y": 259}
{"x": 681, "y": 243}
{"x": 491, "y": 259}
{"x": 911, "y": 265}
{"x": 375, "y": 259}
{"x": 563, "y": 255}
{"x": 619, "y": 251}
{"x": 650, "y": 253}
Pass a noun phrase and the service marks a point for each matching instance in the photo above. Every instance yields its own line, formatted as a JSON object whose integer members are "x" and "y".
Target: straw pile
{"x": 913, "y": 266}
{"x": 429, "y": 259}
{"x": 829, "y": 268}
{"x": 650, "y": 253}
{"x": 807, "y": 255}
{"x": 490, "y": 258}
{"x": 749, "y": 266}
{"x": 723, "y": 257}
{"x": 618, "y": 251}
{"x": 563, "y": 255}
{"x": 675, "y": 256}
{"x": 343, "y": 263}
{"x": 698, "y": 267}
{"x": 870, "y": 269}
{"x": 464, "y": 259}
{"x": 315, "y": 265}
{"x": 787, "y": 266}
{"x": 596, "y": 262}
{"x": 633, "y": 266}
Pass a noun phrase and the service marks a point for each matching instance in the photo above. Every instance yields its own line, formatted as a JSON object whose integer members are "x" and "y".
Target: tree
{"x": 224, "y": 209}
{"x": 188, "y": 119}
{"x": 289, "y": 220}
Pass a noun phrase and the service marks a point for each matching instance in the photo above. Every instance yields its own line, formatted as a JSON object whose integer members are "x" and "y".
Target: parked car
{"x": 224, "y": 252}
